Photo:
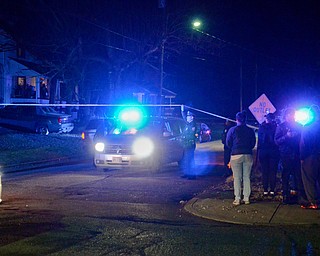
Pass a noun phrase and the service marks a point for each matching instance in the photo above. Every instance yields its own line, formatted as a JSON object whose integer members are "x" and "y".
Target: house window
{"x": 44, "y": 93}
{"x": 21, "y": 80}
{"x": 23, "y": 89}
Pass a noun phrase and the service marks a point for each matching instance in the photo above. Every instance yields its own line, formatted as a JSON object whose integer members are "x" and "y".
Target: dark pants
{"x": 310, "y": 169}
{"x": 269, "y": 166}
{"x": 226, "y": 155}
{"x": 188, "y": 162}
{"x": 226, "y": 158}
{"x": 291, "y": 166}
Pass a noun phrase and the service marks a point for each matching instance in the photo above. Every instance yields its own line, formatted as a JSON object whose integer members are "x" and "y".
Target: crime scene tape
{"x": 121, "y": 105}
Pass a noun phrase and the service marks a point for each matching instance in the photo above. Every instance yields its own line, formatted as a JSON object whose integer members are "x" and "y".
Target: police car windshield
{"x": 120, "y": 128}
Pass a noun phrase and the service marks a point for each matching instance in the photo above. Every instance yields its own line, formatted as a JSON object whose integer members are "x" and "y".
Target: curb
{"x": 257, "y": 213}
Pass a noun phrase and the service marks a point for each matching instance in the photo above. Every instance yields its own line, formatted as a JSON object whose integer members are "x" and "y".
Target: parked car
{"x": 38, "y": 119}
{"x": 156, "y": 143}
{"x": 204, "y": 132}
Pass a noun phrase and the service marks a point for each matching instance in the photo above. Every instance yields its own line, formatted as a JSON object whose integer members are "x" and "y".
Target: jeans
{"x": 241, "y": 166}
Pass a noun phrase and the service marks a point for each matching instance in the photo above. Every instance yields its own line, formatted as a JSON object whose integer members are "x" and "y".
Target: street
{"x": 75, "y": 210}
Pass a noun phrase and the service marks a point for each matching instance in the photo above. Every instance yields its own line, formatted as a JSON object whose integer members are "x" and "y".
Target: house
{"x": 22, "y": 78}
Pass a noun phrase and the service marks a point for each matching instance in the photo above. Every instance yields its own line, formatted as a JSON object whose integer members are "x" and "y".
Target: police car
{"x": 137, "y": 141}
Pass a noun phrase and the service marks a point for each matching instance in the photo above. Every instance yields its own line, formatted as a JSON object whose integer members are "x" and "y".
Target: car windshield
{"x": 119, "y": 128}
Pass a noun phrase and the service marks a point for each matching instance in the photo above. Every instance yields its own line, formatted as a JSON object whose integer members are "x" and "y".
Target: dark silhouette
{"x": 310, "y": 161}
{"x": 268, "y": 154}
{"x": 189, "y": 144}
{"x": 287, "y": 137}
{"x": 226, "y": 150}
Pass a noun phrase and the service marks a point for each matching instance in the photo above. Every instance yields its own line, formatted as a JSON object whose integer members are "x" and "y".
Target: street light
{"x": 196, "y": 23}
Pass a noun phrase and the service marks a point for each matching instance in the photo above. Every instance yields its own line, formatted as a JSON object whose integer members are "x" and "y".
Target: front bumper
{"x": 120, "y": 161}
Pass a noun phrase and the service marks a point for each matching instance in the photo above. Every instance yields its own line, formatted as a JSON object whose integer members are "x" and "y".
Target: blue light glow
{"x": 304, "y": 116}
{"x": 131, "y": 116}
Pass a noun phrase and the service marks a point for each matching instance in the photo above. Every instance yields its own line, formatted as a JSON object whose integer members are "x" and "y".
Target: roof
{"x": 40, "y": 69}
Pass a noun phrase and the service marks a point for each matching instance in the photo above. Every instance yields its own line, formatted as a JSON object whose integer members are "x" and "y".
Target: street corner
{"x": 223, "y": 210}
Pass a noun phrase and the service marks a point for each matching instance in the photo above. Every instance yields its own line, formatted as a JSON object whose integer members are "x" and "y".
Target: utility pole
{"x": 256, "y": 81}
{"x": 162, "y": 5}
{"x": 241, "y": 82}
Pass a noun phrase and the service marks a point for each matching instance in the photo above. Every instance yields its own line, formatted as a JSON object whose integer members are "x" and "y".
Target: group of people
{"x": 290, "y": 145}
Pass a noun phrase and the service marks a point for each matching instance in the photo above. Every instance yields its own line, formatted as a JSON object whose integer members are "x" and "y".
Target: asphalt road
{"x": 66, "y": 209}
{"x": 75, "y": 210}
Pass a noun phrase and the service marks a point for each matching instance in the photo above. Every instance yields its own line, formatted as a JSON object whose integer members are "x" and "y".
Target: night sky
{"x": 276, "y": 43}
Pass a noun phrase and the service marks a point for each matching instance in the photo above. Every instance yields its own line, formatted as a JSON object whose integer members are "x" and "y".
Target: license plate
{"x": 116, "y": 160}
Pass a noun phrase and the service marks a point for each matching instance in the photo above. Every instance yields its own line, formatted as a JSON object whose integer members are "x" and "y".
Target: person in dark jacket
{"x": 226, "y": 150}
{"x": 268, "y": 154}
{"x": 310, "y": 161}
{"x": 189, "y": 144}
{"x": 287, "y": 137}
{"x": 241, "y": 140}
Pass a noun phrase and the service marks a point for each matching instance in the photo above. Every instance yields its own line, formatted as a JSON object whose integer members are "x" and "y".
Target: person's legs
{"x": 236, "y": 165}
{"x": 286, "y": 164}
{"x": 247, "y": 166}
{"x": 188, "y": 163}
{"x": 302, "y": 198}
{"x": 264, "y": 163}
{"x": 227, "y": 155}
{"x": 309, "y": 177}
{"x": 273, "y": 167}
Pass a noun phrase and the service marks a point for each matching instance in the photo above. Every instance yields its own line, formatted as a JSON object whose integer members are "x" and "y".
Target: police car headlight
{"x": 99, "y": 147}
{"x": 143, "y": 147}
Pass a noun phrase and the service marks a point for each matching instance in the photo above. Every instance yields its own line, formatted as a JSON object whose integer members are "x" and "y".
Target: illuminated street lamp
{"x": 196, "y": 23}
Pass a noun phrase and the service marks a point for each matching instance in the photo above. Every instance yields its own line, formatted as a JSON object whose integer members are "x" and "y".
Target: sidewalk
{"x": 216, "y": 204}
{"x": 219, "y": 207}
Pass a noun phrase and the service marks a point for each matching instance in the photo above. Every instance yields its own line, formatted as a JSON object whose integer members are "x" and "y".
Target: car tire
{"x": 155, "y": 166}
{"x": 155, "y": 163}
{"x": 42, "y": 129}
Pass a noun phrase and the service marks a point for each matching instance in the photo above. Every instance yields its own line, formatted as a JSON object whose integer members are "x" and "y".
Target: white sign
{"x": 261, "y": 107}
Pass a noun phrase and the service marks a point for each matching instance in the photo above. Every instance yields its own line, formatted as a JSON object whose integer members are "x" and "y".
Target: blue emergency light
{"x": 304, "y": 116}
{"x": 131, "y": 116}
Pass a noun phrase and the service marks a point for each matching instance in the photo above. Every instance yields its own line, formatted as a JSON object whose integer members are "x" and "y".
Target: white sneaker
{"x": 0, "y": 201}
{"x": 246, "y": 202}
{"x": 236, "y": 202}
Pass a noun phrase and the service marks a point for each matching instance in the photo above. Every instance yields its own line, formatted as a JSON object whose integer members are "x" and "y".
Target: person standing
{"x": 287, "y": 137}
{"x": 268, "y": 154}
{"x": 241, "y": 140}
{"x": 310, "y": 161}
{"x": 226, "y": 150}
{"x": 189, "y": 144}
